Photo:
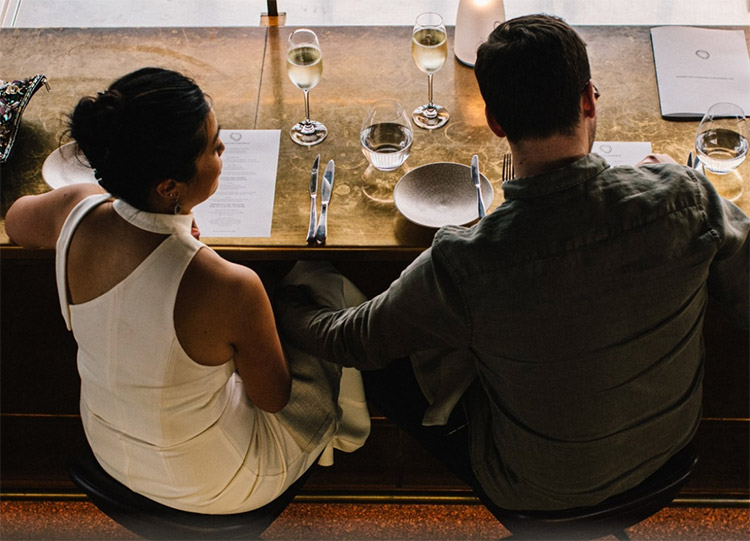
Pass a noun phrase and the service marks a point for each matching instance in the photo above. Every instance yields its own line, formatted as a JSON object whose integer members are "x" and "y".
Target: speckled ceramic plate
{"x": 66, "y": 166}
{"x": 439, "y": 194}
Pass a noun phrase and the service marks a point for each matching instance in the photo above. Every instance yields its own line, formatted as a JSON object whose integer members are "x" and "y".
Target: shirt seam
{"x": 536, "y": 191}
{"x": 704, "y": 214}
{"x": 469, "y": 320}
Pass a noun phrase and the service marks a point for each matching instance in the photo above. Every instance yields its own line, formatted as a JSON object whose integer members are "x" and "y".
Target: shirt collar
{"x": 576, "y": 173}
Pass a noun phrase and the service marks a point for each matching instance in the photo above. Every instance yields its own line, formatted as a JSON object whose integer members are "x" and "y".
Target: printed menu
{"x": 242, "y": 206}
{"x": 697, "y": 67}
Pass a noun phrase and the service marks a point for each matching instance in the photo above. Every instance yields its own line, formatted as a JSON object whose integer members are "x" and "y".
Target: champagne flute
{"x": 304, "y": 65}
{"x": 429, "y": 49}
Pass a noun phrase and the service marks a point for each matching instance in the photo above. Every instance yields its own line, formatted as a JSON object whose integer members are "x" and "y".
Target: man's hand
{"x": 656, "y": 158}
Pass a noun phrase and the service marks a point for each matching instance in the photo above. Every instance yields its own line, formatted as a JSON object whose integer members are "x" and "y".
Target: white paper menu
{"x": 242, "y": 205}
{"x": 622, "y": 152}
{"x": 697, "y": 67}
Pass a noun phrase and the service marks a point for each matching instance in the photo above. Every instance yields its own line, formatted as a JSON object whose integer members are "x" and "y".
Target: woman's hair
{"x": 148, "y": 126}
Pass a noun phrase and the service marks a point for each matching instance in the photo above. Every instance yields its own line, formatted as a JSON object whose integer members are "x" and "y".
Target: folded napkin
{"x": 443, "y": 375}
{"x": 330, "y": 288}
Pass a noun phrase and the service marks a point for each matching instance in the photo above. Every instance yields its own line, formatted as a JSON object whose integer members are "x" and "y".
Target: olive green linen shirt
{"x": 580, "y": 300}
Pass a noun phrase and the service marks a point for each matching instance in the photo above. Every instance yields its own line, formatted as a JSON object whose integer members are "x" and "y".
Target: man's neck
{"x": 536, "y": 156}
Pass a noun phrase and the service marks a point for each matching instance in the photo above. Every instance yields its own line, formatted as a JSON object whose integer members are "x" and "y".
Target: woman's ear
{"x": 168, "y": 189}
{"x": 166, "y": 196}
{"x": 492, "y": 123}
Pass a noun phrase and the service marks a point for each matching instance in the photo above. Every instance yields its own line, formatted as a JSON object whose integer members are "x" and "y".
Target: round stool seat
{"x": 153, "y": 520}
{"x": 613, "y": 515}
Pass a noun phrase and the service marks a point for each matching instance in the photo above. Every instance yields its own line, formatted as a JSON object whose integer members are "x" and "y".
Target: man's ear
{"x": 492, "y": 123}
{"x": 588, "y": 101}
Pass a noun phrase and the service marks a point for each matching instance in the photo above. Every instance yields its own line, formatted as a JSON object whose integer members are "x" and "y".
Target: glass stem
{"x": 429, "y": 91}
{"x": 307, "y": 107}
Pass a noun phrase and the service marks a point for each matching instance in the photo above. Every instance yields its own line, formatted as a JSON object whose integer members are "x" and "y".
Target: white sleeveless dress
{"x": 180, "y": 433}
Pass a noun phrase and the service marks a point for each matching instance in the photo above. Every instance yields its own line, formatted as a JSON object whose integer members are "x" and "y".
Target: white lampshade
{"x": 474, "y": 22}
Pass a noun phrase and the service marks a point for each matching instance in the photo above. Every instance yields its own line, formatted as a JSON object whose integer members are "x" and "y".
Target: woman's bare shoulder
{"x": 220, "y": 282}
{"x": 220, "y": 304}
{"x": 35, "y": 221}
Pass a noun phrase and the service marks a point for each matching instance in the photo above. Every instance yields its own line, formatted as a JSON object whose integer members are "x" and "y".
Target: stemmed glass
{"x": 429, "y": 49}
{"x": 721, "y": 146}
{"x": 304, "y": 65}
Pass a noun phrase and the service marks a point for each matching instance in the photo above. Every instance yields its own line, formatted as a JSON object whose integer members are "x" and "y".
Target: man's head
{"x": 531, "y": 72}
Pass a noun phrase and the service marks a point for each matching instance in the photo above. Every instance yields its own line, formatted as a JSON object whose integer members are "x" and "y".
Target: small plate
{"x": 67, "y": 166}
{"x": 439, "y": 194}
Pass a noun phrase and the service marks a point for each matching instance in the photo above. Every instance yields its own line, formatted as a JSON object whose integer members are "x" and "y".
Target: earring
{"x": 177, "y": 206}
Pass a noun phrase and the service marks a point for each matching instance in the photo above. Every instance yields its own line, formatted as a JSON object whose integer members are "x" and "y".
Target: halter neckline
{"x": 153, "y": 221}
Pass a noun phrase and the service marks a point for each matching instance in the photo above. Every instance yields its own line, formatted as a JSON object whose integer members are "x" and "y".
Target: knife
{"x": 326, "y": 190}
{"x": 313, "y": 197}
{"x": 477, "y": 185}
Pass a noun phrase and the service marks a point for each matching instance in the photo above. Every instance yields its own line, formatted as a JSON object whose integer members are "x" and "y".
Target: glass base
{"x": 308, "y": 133}
{"x": 430, "y": 116}
{"x": 730, "y": 185}
{"x": 378, "y": 185}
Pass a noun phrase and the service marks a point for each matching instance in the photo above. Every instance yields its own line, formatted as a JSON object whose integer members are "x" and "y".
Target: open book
{"x": 697, "y": 67}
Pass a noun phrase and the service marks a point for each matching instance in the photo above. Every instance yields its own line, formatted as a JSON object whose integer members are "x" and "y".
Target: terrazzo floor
{"x": 58, "y": 520}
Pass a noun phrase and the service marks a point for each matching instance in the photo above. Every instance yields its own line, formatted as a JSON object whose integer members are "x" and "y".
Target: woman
{"x": 182, "y": 369}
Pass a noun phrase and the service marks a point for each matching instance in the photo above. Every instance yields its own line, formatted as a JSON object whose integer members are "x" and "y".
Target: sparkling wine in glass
{"x": 304, "y": 65}
{"x": 429, "y": 49}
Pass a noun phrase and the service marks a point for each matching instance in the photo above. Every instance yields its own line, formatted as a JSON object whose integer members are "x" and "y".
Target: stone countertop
{"x": 243, "y": 70}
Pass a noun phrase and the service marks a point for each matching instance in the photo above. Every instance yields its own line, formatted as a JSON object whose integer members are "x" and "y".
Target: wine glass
{"x": 721, "y": 142}
{"x": 304, "y": 65}
{"x": 386, "y": 139}
{"x": 429, "y": 49}
{"x": 386, "y": 135}
{"x": 721, "y": 146}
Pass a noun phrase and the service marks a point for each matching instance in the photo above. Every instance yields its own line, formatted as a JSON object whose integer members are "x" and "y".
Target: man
{"x": 573, "y": 313}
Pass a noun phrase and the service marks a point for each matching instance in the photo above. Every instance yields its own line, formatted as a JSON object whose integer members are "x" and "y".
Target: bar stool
{"x": 152, "y": 520}
{"x": 612, "y": 516}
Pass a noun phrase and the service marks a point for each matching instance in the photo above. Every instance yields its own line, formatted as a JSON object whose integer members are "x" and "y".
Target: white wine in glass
{"x": 304, "y": 65}
{"x": 429, "y": 49}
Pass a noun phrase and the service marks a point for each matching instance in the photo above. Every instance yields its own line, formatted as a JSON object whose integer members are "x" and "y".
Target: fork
{"x": 508, "y": 171}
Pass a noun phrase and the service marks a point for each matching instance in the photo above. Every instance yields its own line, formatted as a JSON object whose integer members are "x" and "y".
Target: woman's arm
{"x": 258, "y": 353}
{"x": 222, "y": 312}
{"x": 35, "y": 221}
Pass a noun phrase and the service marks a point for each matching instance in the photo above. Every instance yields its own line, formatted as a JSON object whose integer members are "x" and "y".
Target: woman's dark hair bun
{"x": 92, "y": 124}
{"x": 148, "y": 126}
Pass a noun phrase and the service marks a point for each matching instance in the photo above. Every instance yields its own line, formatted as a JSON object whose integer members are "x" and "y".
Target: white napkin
{"x": 330, "y": 288}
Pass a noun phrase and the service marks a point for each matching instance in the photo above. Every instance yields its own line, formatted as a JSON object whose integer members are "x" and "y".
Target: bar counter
{"x": 243, "y": 70}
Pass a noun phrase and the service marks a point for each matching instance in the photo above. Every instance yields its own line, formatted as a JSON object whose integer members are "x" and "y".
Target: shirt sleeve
{"x": 422, "y": 309}
{"x": 729, "y": 274}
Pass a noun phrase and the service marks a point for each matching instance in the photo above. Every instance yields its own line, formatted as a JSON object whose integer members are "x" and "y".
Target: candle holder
{"x": 475, "y": 20}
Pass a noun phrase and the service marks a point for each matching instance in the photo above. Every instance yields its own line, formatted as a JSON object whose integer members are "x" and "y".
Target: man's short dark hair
{"x": 531, "y": 72}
